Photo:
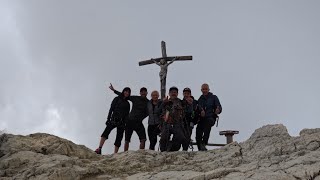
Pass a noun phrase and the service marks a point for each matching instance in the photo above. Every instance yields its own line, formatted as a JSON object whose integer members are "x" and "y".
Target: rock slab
{"x": 270, "y": 153}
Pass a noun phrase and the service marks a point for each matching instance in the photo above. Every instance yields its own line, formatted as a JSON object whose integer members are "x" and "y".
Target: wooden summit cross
{"x": 164, "y": 62}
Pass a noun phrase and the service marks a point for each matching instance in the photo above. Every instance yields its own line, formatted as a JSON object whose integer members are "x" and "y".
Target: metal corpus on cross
{"x": 164, "y": 62}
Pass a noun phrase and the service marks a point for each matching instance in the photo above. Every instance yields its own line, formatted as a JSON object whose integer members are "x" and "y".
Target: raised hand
{"x": 166, "y": 99}
{"x": 111, "y": 87}
{"x": 189, "y": 100}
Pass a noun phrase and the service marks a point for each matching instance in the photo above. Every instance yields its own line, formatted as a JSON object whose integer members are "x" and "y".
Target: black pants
{"x": 188, "y": 133}
{"x": 135, "y": 126}
{"x": 179, "y": 138}
{"x": 119, "y": 137}
{"x": 153, "y": 132}
{"x": 203, "y": 130}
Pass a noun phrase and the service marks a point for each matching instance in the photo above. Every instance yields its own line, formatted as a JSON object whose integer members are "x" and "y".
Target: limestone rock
{"x": 270, "y": 153}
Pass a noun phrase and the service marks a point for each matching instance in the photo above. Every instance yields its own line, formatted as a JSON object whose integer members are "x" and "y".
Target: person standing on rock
{"x": 211, "y": 107}
{"x": 192, "y": 114}
{"x": 138, "y": 113}
{"x": 117, "y": 116}
{"x": 154, "y": 110}
{"x": 173, "y": 112}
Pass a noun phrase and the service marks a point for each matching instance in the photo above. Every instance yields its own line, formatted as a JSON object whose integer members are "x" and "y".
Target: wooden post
{"x": 229, "y": 135}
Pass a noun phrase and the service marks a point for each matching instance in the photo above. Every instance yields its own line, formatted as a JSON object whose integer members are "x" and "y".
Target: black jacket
{"x": 119, "y": 106}
{"x": 139, "y": 109}
{"x": 192, "y": 111}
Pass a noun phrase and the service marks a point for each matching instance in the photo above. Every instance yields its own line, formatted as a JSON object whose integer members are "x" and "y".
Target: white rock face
{"x": 270, "y": 153}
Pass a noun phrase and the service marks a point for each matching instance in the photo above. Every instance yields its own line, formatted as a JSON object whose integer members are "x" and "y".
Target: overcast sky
{"x": 261, "y": 58}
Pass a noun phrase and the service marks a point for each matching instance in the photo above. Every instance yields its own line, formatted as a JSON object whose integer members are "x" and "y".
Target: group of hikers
{"x": 170, "y": 118}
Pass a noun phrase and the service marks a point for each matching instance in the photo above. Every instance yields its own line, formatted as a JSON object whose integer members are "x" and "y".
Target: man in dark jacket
{"x": 211, "y": 107}
{"x": 138, "y": 113}
{"x": 192, "y": 114}
{"x": 173, "y": 111}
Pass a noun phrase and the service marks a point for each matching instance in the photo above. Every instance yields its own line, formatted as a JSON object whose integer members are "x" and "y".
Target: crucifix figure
{"x": 164, "y": 62}
{"x": 163, "y": 73}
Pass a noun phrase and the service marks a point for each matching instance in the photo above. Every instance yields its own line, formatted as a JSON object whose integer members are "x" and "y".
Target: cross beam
{"x": 178, "y": 58}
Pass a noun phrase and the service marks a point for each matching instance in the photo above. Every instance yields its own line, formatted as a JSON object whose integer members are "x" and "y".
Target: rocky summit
{"x": 270, "y": 153}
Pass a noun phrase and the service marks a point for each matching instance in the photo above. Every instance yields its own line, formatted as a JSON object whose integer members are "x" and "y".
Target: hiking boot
{"x": 199, "y": 146}
{"x": 98, "y": 151}
{"x": 204, "y": 147}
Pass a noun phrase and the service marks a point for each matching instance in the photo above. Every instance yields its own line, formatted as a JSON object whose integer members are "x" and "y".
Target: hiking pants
{"x": 135, "y": 126}
{"x": 188, "y": 134}
{"x": 153, "y": 132}
{"x": 178, "y": 138}
{"x": 119, "y": 137}
{"x": 203, "y": 130}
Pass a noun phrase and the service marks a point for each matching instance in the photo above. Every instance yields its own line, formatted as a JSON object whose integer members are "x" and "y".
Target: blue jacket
{"x": 209, "y": 103}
